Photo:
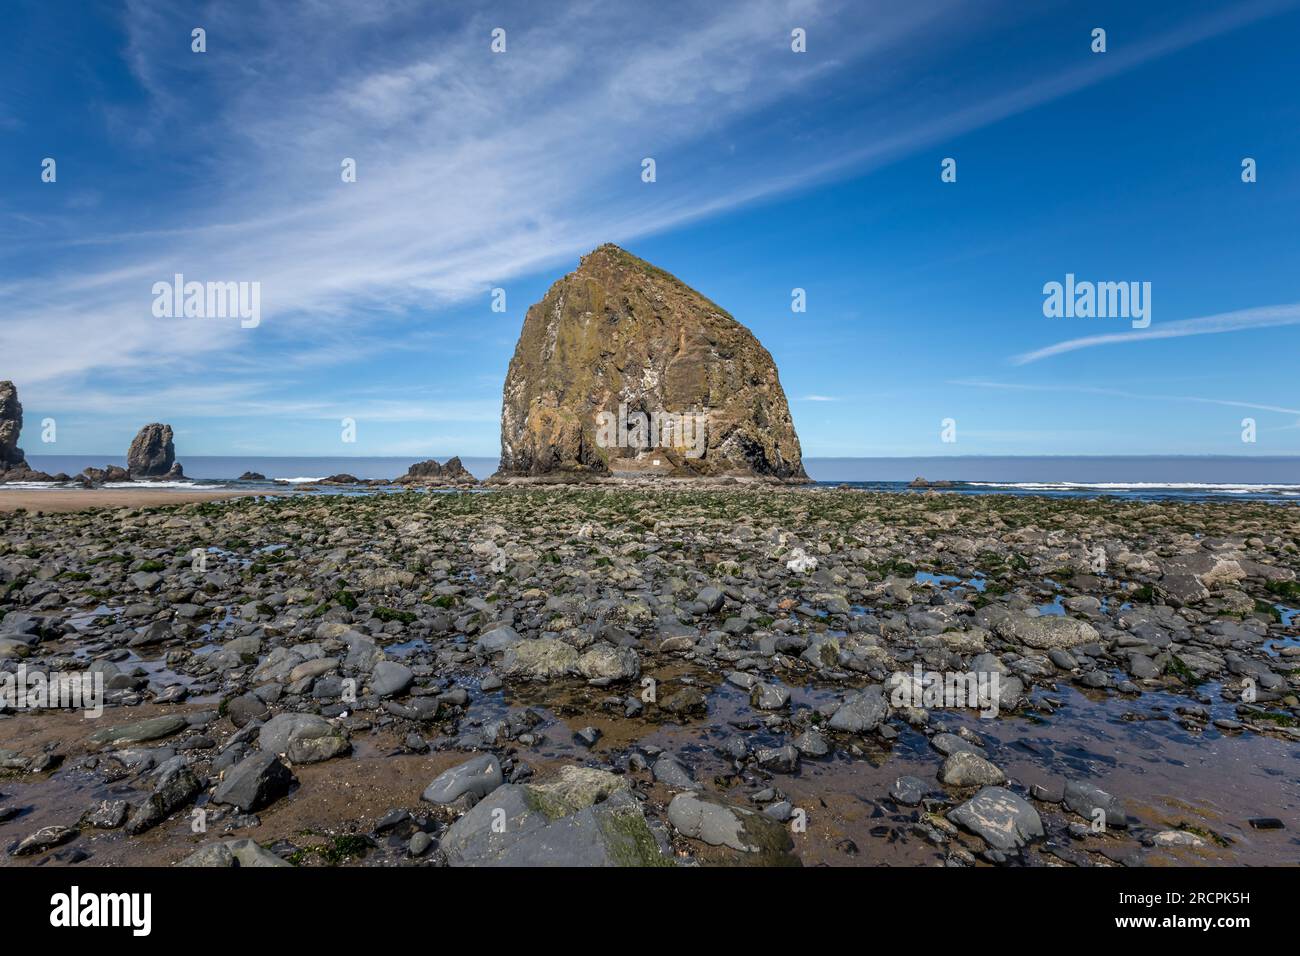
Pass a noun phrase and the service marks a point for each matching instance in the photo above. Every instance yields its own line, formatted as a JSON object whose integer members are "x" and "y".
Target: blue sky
{"x": 775, "y": 170}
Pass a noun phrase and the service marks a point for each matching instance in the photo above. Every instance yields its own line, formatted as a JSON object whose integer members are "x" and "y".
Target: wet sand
{"x": 58, "y": 500}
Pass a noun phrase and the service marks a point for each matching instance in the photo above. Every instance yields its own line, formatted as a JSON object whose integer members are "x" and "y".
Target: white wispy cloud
{"x": 473, "y": 169}
{"x": 1265, "y": 317}
{"x": 1124, "y": 394}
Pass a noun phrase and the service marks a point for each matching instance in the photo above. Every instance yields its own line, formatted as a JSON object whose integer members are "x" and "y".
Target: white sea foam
{"x": 46, "y": 485}
{"x": 300, "y": 481}
{"x": 1228, "y": 488}
{"x": 188, "y": 485}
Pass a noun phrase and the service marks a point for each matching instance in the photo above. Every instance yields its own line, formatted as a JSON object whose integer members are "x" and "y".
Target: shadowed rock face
{"x": 621, "y": 337}
{"x": 152, "y": 453}
{"x": 11, "y": 424}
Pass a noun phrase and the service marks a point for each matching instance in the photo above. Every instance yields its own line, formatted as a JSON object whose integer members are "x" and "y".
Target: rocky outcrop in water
{"x": 431, "y": 473}
{"x": 622, "y": 369}
{"x": 153, "y": 454}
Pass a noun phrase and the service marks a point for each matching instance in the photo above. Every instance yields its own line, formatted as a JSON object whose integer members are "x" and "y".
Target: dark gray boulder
{"x": 477, "y": 777}
{"x": 862, "y": 712}
{"x": 1086, "y": 799}
{"x": 254, "y": 782}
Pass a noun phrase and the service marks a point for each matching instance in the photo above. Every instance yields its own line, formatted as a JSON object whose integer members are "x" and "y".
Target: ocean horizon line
{"x": 420, "y": 456}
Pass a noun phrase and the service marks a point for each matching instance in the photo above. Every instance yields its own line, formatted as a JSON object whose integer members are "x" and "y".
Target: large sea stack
{"x": 622, "y": 369}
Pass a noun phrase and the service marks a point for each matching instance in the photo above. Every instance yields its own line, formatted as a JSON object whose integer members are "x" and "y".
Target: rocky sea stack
{"x": 153, "y": 454}
{"x": 623, "y": 370}
{"x": 11, "y": 425}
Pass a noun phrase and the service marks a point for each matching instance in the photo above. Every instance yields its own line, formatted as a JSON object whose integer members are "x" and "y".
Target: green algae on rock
{"x": 620, "y": 337}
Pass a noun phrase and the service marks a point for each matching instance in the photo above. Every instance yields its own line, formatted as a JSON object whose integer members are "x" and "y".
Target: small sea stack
{"x": 152, "y": 455}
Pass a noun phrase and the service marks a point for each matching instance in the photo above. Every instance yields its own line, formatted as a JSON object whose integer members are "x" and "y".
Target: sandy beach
{"x": 60, "y": 500}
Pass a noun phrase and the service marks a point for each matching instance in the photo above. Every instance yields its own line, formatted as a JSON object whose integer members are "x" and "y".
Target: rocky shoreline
{"x": 654, "y": 675}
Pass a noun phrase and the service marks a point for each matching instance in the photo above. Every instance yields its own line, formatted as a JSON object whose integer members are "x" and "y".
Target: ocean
{"x": 1141, "y": 477}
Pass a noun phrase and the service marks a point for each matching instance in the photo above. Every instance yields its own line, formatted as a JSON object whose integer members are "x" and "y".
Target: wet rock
{"x": 540, "y": 659}
{"x": 175, "y": 789}
{"x": 303, "y": 738}
{"x": 687, "y": 700}
{"x": 861, "y": 713}
{"x": 1048, "y": 793}
{"x": 574, "y": 789}
{"x": 254, "y": 783}
{"x": 712, "y": 599}
{"x": 740, "y": 828}
{"x": 46, "y": 838}
{"x": 477, "y": 778}
{"x": 142, "y": 731}
{"x": 233, "y": 853}
{"x": 1043, "y": 633}
{"x": 672, "y": 773}
{"x": 497, "y": 640}
{"x": 245, "y": 708}
{"x": 778, "y": 759}
{"x": 949, "y": 744}
{"x": 811, "y": 743}
{"x": 1003, "y": 820}
{"x": 107, "y": 815}
{"x": 390, "y": 679}
{"x": 1142, "y": 668}
{"x": 1210, "y": 570}
{"x": 605, "y": 663}
{"x": 1183, "y": 589}
{"x": 766, "y": 696}
{"x": 419, "y": 843}
{"x": 612, "y": 832}
{"x": 1086, "y": 800}
{"x": 966, "y": 769}
{"x": 1167, "y": 838}
{"x": 1062, "y": 659}
{"x": 909, "y": 791}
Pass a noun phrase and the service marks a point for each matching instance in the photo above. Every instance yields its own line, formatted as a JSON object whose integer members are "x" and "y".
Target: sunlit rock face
{"x": 622, "y": 369}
